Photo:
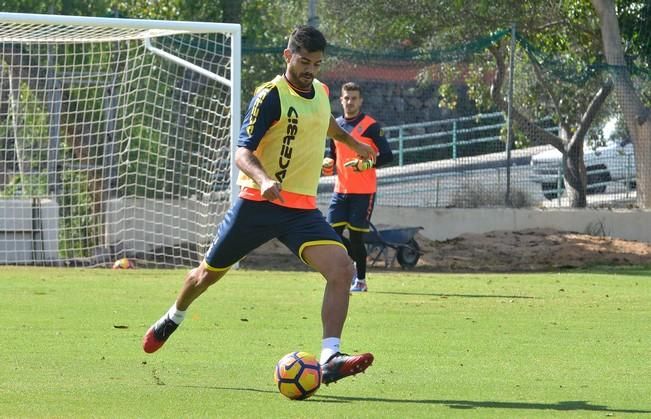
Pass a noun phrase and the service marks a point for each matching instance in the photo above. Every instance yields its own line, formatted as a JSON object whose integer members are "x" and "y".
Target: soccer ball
{"x": 123, "y": 263}
{"x": 298, "y": 375}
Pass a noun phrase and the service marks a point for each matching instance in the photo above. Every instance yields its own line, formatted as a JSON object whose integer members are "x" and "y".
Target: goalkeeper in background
{"x": 352, "y": 203}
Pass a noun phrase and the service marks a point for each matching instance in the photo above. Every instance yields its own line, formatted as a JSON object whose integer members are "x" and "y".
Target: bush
{"x": 472, "y": 195}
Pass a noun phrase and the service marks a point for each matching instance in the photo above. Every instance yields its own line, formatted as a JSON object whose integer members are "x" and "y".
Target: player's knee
{"x": 342, "y": 272}
{"x": 349, "y": 274}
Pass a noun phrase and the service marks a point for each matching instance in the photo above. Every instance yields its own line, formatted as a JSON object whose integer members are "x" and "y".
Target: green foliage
{"x": 476, "y": 80}
{"x": 80, "y": 230}
{"x": 64, "y": 7}
{"x": 448, "y": 96}
{"x": 265, "y": 31}
{"x": 395, "y": 25}
{"x": 150, "y": 9}
{"x": 27, "y": 185}
{"x": 635, "y": 26}
{"x": 561, "y": 38}
{"x": 30, "y": 134}
{"x": 201, "y": 10}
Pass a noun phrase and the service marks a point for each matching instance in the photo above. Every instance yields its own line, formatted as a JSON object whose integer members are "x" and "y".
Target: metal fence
{"x": 457, "y": 144}
{"x": 458, "y": 162}
{"x": 462, "y": 137}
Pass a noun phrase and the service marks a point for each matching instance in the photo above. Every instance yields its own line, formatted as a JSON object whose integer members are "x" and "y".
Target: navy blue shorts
{"x": 249, "y": 224}
{"x": 351, "y": 210}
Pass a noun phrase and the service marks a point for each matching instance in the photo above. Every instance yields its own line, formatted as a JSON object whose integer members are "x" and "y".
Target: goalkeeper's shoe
{"x": 158, "y": 334}
{"x": 342, "y": 365}
{"x": 359, "y": 285}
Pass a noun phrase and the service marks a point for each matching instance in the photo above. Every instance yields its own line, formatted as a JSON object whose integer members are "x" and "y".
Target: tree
{"x": 636, "y": 114}
{"x": 546, "y": 86}
{"x": 265, "y": 29}
{"x": 634, "y": 19}
{"x": 574, "y": 117}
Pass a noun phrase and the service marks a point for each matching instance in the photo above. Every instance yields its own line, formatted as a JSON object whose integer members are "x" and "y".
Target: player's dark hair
{"x": 351, "y": 86}
{"x": 308, "y": 38}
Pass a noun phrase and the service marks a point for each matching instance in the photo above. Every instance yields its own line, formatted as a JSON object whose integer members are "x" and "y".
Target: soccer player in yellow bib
{"x": 280, "y": 152}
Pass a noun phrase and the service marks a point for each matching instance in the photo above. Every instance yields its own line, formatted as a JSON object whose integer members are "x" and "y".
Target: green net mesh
{"x": 449, "y": 134}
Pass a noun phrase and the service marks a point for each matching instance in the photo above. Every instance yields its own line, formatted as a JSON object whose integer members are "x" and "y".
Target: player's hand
{"x": 364, "y": 151}
{"x": 359, "y": 165}
{"x": 328, "y": 167}
{"x": 270, "y": 190}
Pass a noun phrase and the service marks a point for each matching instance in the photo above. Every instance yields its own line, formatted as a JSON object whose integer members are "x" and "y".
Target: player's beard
{"x": 301, "y": 80}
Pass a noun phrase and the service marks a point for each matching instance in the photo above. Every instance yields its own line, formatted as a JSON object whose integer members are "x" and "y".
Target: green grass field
{"x": 572, "y": 344}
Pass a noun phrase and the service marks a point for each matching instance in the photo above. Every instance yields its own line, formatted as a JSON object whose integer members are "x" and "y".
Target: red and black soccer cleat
{"x": 158, "y": 334}
{"x": 342, "y": 365}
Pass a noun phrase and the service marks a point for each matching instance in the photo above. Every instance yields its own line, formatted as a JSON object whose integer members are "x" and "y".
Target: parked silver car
{"x": 613, "y": 162}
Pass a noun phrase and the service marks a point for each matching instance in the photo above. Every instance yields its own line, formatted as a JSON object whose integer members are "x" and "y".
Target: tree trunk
{"x": 575, "y": 175}
{"x": 572, "y": 149}
{"x": 636, "y": 115}
{"x": 576, "y": 178}
{"x": 536, "y": 134}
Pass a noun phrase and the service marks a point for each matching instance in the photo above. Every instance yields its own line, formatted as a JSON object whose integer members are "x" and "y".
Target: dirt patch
{"x": 498, "y": 251}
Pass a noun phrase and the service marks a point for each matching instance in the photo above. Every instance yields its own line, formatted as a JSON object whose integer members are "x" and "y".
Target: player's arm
{"x": 262, "y": 113}
{"x": 364, "y": 151}
{"x": 331, "y": 149}
{"x": 247, "y": 162}
{"x": 385, "y": 155}
{"x": 329, "y": 159}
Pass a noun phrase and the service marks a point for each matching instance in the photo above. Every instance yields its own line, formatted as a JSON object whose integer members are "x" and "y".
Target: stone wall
{"x": 397, "y": 103}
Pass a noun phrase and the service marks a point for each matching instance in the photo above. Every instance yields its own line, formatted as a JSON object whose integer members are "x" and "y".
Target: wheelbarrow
{"x": 380, "y": 239}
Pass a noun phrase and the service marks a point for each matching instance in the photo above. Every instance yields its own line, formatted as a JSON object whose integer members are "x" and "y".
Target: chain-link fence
{"x": 494, "y": 122}
{"x": 448, "y": 115}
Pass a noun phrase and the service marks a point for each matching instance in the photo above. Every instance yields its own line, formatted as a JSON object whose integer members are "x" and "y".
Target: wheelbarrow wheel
{"x": 408, "y": 254}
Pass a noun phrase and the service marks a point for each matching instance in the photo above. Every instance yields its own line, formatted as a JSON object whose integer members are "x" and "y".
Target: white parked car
{"x": 613, "y": 162}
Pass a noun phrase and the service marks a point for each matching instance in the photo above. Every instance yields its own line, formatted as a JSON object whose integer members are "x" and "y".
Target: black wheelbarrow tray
{"x": 401, "y": 239}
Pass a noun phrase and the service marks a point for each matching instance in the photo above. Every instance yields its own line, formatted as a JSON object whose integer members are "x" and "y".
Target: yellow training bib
{"x": 292, "y": 150}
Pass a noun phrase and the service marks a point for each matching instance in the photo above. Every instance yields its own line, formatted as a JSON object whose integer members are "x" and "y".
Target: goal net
{"x": 115, "y": 138}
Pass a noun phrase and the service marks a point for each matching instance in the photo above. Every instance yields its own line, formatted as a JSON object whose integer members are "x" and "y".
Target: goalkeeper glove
{"x": 328, "y": 167}
{"x": 359, "y": 165}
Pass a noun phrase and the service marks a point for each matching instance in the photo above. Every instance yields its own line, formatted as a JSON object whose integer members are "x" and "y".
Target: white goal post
{"x": 116, "y": 138}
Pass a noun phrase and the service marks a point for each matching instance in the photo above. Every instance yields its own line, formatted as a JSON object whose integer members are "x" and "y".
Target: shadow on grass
{"x": 433, "y": 294}
{"x": 636, "y": 270}
{"x": 570, "y": 405}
